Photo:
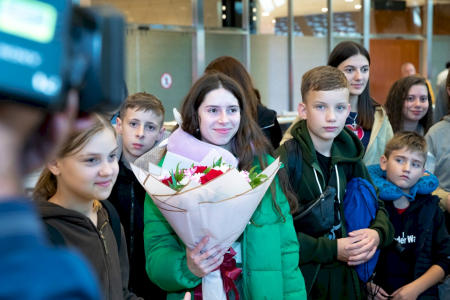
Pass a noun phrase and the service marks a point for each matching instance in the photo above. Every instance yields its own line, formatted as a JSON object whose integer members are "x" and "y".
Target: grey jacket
{"x": 110, "y": 264}
{"x": 438, "y": 141}
{"x": 441, "y": 105}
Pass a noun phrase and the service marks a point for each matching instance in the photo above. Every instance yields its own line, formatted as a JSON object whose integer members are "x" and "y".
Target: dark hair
{"x": 396, "y": 100}
{"x": 410, "y": 140}
{"x": 249, "y": 140}
{"x": 142, "y": 101}
{"x": 447, "y": 65}
{"x": 234, "y": 69}
{"x": 323, "y": 78}
{"x": 366, "y": 105}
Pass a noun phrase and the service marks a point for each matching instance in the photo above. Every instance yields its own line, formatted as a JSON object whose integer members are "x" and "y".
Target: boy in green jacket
{"x": 329, "y": 149}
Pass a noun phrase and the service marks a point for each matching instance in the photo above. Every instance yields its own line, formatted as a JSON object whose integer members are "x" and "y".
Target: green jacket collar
{"x": 346, "y": 148}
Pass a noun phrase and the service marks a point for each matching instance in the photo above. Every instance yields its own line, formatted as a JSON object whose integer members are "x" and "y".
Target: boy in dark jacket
{"x": 329, "y": 150}
{"x": 412, "y": 266}
{"x": 140, "y": 125}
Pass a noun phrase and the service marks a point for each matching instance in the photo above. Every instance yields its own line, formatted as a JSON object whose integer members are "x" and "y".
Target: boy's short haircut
{"x": 412, "y": 141}
{"x": 325, "y": 78}
{"x": 142, "y": 101}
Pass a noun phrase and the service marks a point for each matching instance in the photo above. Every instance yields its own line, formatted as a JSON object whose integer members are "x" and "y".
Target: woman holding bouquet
{"x": 215, "y": 112}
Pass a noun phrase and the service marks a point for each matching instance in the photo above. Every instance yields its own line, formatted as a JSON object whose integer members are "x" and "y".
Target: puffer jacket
{"x": 270, "y": 253}
{"x": 97, "y": 243}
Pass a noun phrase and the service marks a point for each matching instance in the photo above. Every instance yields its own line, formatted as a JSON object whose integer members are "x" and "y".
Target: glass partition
{"x": 219, "y": 44}
{"x": 160, "y": 63}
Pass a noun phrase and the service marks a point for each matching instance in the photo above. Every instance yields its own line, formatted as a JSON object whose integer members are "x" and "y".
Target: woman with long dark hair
{"x": 409, "y": 105}
{"x": 265, "y": 117}
{"x": 215, "y": 111}
{"x": 367, "y": 119}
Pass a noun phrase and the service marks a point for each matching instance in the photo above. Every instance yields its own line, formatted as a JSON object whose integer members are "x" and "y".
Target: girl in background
{"x": 409, "y": 105}
{"x": 367, "y": 119}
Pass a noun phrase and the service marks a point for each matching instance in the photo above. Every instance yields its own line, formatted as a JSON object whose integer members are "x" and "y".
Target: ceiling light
{"x": 265, "y": 14}
{"x": 254, "y": 9}
{"x": 267, "y": 5}
{"x": 223, "y": 7}
{"x": 358, "y": 6}
{"x": 348, "y": 0}
{"x": 274, "y": 21}
{"x": 324, "y": 9}
{"x": 224, "y": 16}
{"x": 254, "y": 18}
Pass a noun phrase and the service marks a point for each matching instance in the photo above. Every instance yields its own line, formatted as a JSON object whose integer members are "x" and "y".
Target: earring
{"x": 198, "y": 129}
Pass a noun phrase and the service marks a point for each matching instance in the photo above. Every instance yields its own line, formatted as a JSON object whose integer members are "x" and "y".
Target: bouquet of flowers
{"x": 179, "y": 178}
{"x": 207, "y": 197}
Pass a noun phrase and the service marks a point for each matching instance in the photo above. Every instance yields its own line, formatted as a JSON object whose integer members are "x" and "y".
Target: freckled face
{"x": 220, "y": 116}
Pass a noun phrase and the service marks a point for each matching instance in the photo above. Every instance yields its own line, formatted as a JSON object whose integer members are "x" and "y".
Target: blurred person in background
{"x": 30, "y": 268}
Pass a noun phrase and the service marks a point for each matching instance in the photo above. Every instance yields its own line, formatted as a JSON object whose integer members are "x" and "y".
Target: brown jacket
{"x": 110, "y": 264}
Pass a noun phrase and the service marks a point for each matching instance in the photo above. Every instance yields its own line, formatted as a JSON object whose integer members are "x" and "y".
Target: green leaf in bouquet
{"x": 179, "y": 174}
{"x": 207, "y": 170}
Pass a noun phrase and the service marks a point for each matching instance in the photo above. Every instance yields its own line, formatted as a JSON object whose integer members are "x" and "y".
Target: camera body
{"x": 48, "y": 47}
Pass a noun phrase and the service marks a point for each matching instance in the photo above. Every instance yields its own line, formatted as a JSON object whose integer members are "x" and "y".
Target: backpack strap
{"x": 54, "y": 236}
{"x": 295, "y": 163}
{"x": 115, "y": 221}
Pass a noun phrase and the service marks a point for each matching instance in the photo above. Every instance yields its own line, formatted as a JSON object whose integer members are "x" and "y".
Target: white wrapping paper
{"x": 219, "y": 209}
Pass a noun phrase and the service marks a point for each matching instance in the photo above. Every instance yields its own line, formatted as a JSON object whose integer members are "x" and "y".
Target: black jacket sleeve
{"x": 441, "y": 243}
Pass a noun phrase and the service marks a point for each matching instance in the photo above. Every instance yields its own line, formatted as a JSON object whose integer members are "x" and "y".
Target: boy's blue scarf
{"x": 390, "y": 192}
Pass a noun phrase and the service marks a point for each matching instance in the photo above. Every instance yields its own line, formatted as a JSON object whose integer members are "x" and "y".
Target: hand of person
{"x": 371, "y": 234}
{"x": 202, "y": 264}
{"x": 376, "y": 292}
{"x": 447, "y": 203}
{"x": 365, "y": 249}
{"x": 344, "y": 253}
{"x": 407, "y": 292}
{"x": 187, "y": 296}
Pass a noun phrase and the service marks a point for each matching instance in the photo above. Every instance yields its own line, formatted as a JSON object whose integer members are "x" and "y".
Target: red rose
{"x": 166, "y": 181}
{"x": 200, "y": 169}
{"x": 210, "y": 176}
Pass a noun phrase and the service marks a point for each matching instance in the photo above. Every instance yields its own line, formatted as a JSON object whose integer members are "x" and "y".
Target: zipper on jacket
{"x": 103, "y": 237}
{"x": 320, "y": 199}
{"x": 132, "y": 222}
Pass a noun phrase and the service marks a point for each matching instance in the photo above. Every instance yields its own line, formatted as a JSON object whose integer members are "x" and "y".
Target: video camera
{"x": 48, "y": 47}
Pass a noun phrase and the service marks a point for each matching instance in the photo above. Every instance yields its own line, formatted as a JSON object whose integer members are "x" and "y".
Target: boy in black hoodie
{"x": 140, "y": 126}
{"x": 329, "y": 152}
{"x": 412, "y": 266}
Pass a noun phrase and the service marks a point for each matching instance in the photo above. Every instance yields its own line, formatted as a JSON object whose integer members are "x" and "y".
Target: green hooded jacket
{"x": 319, "y": 254}
{"x": 270, "y": 252}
